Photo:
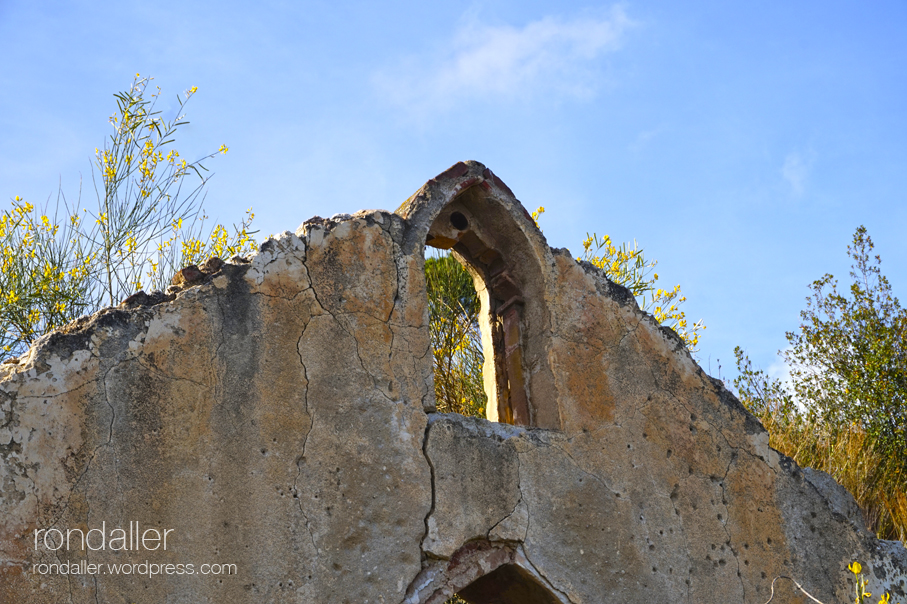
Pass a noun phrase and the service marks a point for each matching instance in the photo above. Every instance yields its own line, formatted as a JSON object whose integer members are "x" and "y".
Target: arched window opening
{"x": 497, "y": 322}
{"x": 470, "y": 213}
{"x": 507, "y": 584}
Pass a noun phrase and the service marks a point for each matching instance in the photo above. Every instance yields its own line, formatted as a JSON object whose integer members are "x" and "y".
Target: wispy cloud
{"x": 796, "y": 170}
{"x": 551, "y": 56}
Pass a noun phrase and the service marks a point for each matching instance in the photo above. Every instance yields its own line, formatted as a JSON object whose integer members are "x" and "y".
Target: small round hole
{"x": 458, "y": 221}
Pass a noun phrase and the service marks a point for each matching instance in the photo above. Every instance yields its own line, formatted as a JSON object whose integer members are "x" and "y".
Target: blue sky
{"x": 740, "y": 145}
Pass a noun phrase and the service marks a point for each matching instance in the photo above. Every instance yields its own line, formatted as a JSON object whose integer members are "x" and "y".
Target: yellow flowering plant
{"x": 627, "y": 266}
{"x": 44, "y": 272}
{"x": 148, "y": 222}
{"x": 860, "y": 584}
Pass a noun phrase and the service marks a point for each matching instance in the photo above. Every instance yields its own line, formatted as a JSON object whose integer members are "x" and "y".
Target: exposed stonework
{"x": 277, "y": 413}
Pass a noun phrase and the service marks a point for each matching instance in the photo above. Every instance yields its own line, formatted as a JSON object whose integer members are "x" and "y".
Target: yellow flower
{"x": 855, "y": 568}
{"x": 193, "y": 89}
{"x": 223, "y": 149}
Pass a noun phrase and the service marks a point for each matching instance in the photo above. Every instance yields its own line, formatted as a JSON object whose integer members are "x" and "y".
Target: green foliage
{"x": 849, "y": 360}
{"x": 453, "y": 310}
{"x": 845, "y": 413}
{"x": 45, "y": 270}
{"x": 627, "y": 266}
{"x": 760, "y": 393}
{"x": 148, "y": 221}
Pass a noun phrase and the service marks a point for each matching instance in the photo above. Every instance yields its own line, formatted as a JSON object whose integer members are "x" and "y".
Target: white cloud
{"x": 550, "y": 56}
{"x": 796, "y": 170}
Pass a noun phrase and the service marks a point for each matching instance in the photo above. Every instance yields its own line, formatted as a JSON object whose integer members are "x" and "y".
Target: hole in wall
{"x": 496, "y": 244}
{"x": 508, "y": 584}
{"x": 493, "y": 342}
{"x": 459, "y": 221}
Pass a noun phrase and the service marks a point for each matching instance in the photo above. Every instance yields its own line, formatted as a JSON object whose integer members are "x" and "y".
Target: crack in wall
{"x": 734, "y": 452}
{"x": 522, "y": 547}
{"x": 632, "y": 331}
{"x": 296, "y": 494}
{"x": 519, "y": 486}
{"x": 12, "y": 453}
{"x": 305, "y": 391}
{"x": 727, "y": 518}
{"x": 88, "y": 463}
{"x": 598, "y": 345}
{"x": 431, "y": 510}
{"x": 68, "y": 577}
{"x": 113, "y": 418}
{"x": 398, "y": 258}
{"x": 163, "y": 376}
{"x": 579, "y": 467}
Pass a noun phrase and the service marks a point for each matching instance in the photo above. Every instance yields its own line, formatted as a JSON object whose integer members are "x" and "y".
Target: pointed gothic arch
{"x": 471, "y": 212}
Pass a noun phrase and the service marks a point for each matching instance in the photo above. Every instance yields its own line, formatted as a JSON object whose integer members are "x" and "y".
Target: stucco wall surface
{"x": 277, "y": 413}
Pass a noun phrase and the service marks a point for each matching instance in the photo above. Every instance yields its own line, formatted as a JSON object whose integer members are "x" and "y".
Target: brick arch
{"x": 471, "y": 212}
{"x": 481, "y": 572}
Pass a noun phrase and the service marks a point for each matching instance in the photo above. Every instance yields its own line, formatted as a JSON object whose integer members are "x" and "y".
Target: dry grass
{"x": 877, "y": 481}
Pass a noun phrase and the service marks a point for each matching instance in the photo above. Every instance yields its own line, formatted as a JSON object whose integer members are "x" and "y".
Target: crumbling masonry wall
{"x": 277, "y": 413}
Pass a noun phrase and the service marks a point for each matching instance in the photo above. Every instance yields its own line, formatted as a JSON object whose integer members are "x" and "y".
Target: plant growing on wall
{"x": 148, "y": 221}
{"x": 628, "y": 266}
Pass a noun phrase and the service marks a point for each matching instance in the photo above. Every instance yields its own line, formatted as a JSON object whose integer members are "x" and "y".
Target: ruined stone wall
{"x": 277, "y": 413}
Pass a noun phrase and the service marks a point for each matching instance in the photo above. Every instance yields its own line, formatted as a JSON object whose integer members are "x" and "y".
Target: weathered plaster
{"x": 277, "y": 413}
